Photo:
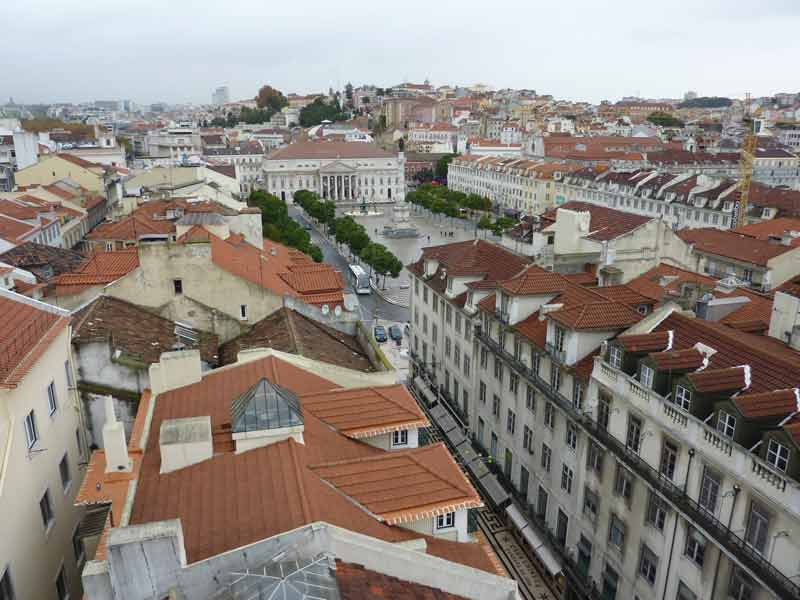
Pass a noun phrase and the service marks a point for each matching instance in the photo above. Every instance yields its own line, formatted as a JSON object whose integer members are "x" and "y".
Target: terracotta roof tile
{"x": 645, "y": 342}
{"x": 605, "y": 223}
{"x": 13, "y": 230}
{"x": 358, "y": 583}
{"x": 719, "y": 380}
{"x": 733, "y": 245}
{"x": 26, "y": 331}
{"x": 597, "y": 315}
{"x": 403, "y": 486}
{"x": 99, "y": 269}
{"x": 366, "y": 412}
{"x": 769, "y": 404}
{"x": 136, "y": 331}
{"x": 687, "y": 359}
{"x": 43, "y": 261}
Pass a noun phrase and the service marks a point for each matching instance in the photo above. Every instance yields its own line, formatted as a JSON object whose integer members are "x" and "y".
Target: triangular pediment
{"x": 336, "y": 167}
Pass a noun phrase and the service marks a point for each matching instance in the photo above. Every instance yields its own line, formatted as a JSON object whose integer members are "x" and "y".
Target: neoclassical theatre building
{"x": 347, "y": 172}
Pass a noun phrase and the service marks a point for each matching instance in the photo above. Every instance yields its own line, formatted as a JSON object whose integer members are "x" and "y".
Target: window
{"x": 513, "y": 383}
{"x": 68, "y": 371}
{"x": 511, "y": 422}
{"x": 709, "y": 490}
{"x": 634, "y": 436}
{"x": 656, "y": 515}
{"x": 400, "y": 438}
{"x": 52, "y": 401}
{"x": 480, "y": 430}
{"x": 243, "y": 312}
{"x": 747, "y": 274}
{"x": 466, "y": 364}
{"x": 6, "y": 589}
{"x": 615, "y": 357}
{"x": 177, "y": 286}
{"x": 31, "y": 432}
{"x": 63, "y": 471}
{"x": 434, "y": 333}
{"x": 78, "y": 548}
{"x": 778, "y": 455}
{"x": 524, "y": 477}
{"x": 530, "y": 399}
{"x": 493, "y": 447}
{"x": 623, "y": 483}
{"x": 591, "y": 504}
{"x": 446, "y": 521}
{"x": 484, "y": 358}
{"x": 458, "y": 322}
{"x": 603, "y": 410}
{"x": 482, "y": 392}
{"x": 555, "y": 376}
{"x": 572, "y": 436}
{"x": 577, "y": 394}
{"x": 61, "y": 585}
{"x": 726, "y": 424}
{"x": 757, "y": 528}
{"x": 684, "y": 593}
{"x": 669, "y": 458}
{"x": 549, "y": 415}
{"x": 425, "y": 324}
{"x": 498, "y": 369}
{"x": 566, "y": 479}
{"x": 646, "y": 376}
{"x": 446, "y": 346}
{"x": 496, "y": 406}
{"x": 558, "y": 342}
{"x": 695, "y": 546}
{"x": 457, "y": 355}
{"x": 741, "y": 586}
{"x": 594, "y": 458}
{"x": 546, "y": 456}
{"x": 425, "y": 295}
{"x": 616, "y": 533}
{"x": 46, "y": 509}
{"x": 648, "y": 565}
{"x": 535, "y": 362}
{"x": 527, "y": 438}
{"x": 683, "y": 397}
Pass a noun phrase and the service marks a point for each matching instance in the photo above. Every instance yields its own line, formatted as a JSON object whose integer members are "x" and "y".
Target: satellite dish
{"x": 325, "y": 309}
{"x": 337, "y": 311}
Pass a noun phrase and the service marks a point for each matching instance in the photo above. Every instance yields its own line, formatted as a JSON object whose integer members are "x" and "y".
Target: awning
{"x": 447, "y": 422}
{"x": 532, "y": 537}
{"x": 516, "y": 517}
{"x": 455, "y": 436}
{"x": 492, "y": 487}
{"x": 478, "y": 468}
{"x": 466, "y": 452}
{"x": 420, "y": 384}
{"x": 438, "y": 412}
{"x": 550, "y": 562}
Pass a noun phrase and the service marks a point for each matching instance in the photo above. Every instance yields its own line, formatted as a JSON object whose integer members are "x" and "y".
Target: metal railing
{"x": 731, "y": 543}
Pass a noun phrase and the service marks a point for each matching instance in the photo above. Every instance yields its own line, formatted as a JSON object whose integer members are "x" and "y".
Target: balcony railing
{"x": 731, "y": 543}
{"x": 557, "y": 355}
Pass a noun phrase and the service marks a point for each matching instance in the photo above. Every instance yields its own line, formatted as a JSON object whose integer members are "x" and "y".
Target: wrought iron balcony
{"x": 732, "y": 544}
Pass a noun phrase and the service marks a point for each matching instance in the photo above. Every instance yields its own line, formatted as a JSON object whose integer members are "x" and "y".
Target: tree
{"x": 269, "y": 97}
{"x": 40, "y": 125}
{"x": 442, "y": 164}
{"x": 218, "y": 122}
{"x": 320, "y": 110}
{"x": 423, "y": 175}
{"x": 348, "y": 95}
{"x": 706, "y": 102}
{"x": 664, "y": 119}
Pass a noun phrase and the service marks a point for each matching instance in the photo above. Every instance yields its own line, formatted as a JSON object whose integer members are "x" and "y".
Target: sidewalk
{"x": 393, "y": 295}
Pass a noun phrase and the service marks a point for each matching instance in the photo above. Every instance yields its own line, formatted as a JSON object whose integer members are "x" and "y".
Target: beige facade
{"x": 52, "y": 168}
{"x": 31, "y": 553}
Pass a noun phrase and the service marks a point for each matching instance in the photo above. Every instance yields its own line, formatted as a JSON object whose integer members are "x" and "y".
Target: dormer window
{"x": 449, "y": 284}
{"x": 683, "y": 397}
{"x": 726, "y": 424}
{"x": 646, "y": 376}
{"x": 778, "y": 455}
{"x": 615, "y": 357}
{"x": 558, "y": 341}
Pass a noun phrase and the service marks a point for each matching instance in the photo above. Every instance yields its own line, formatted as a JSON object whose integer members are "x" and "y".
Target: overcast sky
{"x": 178, "y": 51}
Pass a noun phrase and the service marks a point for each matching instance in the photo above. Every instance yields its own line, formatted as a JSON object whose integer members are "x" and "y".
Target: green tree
{"x": 320, "y": 110}
{"x": 664, "y": 119}
{"x": 219, "y": 122}
{"x": 269, "y": 97}
{"x": 442, "y": 164}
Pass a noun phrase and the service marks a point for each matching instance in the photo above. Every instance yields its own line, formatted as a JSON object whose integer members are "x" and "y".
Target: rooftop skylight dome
{"x": 265, "y": 414}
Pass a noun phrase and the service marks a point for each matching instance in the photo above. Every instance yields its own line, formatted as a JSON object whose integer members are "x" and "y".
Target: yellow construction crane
{"x": 746, "y": 162}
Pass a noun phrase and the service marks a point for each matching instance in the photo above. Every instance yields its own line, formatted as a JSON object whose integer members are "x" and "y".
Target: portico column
{"x": 340, "y": 185}
{"x": 352, "y": 187}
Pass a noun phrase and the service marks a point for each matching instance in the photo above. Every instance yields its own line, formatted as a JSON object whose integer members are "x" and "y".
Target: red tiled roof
{"x": 329, "y": 150}
{"x": 719, "y": 380}
{"x": 473, "y": 257}
{"x": 403, "y": 486}
{"x": 101, "y": 268}
{"x": 768, "y": 404}
{"x": 604, "y": 223}
{"x": 231, "y": 499}
{"x": 624, "y": 294}
{"x": 733, "y": 245}
{"x": 358, "y": 583}
{"x": 772, "y": 228}
{"x": 597, "y": 315}
{"x": 367, "y": 411}
{"x": 645, "y": 342}
{"x": 687, "y": 359}
{"x": 13, "y": 230}
{"x": 78, "y": 161}
{"x": 26, "y": 331}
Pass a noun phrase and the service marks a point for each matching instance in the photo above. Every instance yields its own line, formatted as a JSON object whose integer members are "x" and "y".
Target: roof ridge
{"x": 301, "y": 484}
{"x": 432, "y": 448}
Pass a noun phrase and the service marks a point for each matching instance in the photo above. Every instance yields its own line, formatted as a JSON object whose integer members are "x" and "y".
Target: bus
{"x": 360, "y": 279}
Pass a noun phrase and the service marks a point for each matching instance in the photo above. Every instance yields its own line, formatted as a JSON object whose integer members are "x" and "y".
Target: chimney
{"x": 117, "y": 459}
{"x": 175, "y": 369}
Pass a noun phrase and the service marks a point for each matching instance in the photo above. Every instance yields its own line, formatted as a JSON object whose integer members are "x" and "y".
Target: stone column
{"x": 340, "y": 186}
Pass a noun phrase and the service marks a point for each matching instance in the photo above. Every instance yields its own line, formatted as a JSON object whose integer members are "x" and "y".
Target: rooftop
{"x": 733, "y": 245}
{"x": 99, "y": 269}
{"x": 43, "y": 261}
{"x": 329, "y": 150}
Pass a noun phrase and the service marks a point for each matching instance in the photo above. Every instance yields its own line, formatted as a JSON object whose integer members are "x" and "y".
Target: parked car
{"x": 379, "y": 332}
{"x": 395, "y": 333}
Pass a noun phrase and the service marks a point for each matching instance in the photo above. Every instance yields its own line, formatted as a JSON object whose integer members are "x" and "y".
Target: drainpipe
{"x": 675, "y": 526}
{"x": 735, "y": 491}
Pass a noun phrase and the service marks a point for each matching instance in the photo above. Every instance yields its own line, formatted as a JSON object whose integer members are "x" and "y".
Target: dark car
{"x": 380, "y": 333}
{"x": 395, "y": 333}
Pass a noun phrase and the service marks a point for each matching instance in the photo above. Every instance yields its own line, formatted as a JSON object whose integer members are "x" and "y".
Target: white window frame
{"x": 31, "y": 431}
{"x": 446, "y": 521}
{"x": 65, "y": 485}
{"x": 400, "y": 438}
{"x": 683, "y": 397}
{"x": 243, "y": 312}
{"x": 726, "y": 424}
{"x": 615, "y": 357}
{"x": 52, "y": 398}
{"x": 646, "y": 376}
{"x": 778, "y": 454}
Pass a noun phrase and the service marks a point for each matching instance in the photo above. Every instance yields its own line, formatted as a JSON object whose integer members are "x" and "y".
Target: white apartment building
{"x": 653, "y": 456}
{"x": 519, "y": 185}
{"x": 433, "y": 137}
{"x": 248, "y": 157}
{"x": 176, "y": 144}
{"x": 346, "y": 172}
{"x": 41, "y": 453}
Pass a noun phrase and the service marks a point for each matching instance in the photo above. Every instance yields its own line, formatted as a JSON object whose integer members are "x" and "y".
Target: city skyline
{"x": 578, "y": 52}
